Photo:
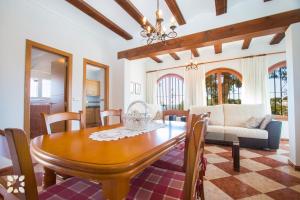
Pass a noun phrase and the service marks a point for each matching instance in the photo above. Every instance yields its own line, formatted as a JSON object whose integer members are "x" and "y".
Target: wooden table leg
{"x": 236, "y": 156}
{"x": 115, "y": 189}
{"x": 49, "y": 178}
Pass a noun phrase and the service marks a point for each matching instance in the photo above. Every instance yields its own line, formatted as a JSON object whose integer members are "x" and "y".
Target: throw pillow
{"x": 253, "y": 122}
{"x": 265, "y": 122}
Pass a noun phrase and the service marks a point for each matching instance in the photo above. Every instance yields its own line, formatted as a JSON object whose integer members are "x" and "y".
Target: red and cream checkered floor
{"x": 264, "y": 175}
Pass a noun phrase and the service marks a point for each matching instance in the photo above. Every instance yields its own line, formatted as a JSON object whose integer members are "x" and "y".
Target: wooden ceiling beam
{"x": 221, "y": 7}
{"x": 195, "y": 52}
{"x": 174, "y": 8}
{"x": 268, "y": 25}
{"x": 246, "y": 43}
{"x": 96, "y": 15}
{"x": 156, "y": 59}
{"x": 277, "y": 38}
{"x": 175, "y": 56}
{"x": 218, "y": 47}
{"x": 128, "y": 6}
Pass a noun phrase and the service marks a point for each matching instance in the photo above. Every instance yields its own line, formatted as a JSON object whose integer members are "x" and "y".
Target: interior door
{"x": 58, "y": 93}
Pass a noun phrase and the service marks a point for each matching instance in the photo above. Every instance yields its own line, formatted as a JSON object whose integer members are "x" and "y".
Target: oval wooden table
{"x": 111, "y": 163}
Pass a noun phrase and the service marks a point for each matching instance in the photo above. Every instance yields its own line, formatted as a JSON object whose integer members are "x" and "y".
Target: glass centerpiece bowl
{"x": 137, "y": 116}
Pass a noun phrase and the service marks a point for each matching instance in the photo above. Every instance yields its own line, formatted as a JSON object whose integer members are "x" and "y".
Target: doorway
{"x": 47, "y": 86}
{"x": 95, "y": 91}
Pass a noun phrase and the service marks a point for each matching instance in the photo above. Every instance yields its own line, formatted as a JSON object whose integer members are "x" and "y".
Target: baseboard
{"x": 297, "y": 168}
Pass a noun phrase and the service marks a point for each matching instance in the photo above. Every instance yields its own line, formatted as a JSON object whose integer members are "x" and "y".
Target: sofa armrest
{"x": 274, "y": 133}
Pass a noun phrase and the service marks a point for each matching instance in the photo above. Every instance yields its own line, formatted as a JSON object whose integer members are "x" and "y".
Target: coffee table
{"x": 229, "y": 140}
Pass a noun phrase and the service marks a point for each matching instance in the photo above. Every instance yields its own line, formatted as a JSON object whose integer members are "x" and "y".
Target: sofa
{"x": 232, "y": 118}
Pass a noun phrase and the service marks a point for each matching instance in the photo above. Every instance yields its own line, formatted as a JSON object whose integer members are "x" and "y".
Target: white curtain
{"x": 151, "y": 87}
{"x": 255, "y": 89}
{"x": 194, "y": 84}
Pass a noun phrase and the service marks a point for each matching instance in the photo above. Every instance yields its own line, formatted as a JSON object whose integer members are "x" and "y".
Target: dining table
{"x": 110, "y": 163}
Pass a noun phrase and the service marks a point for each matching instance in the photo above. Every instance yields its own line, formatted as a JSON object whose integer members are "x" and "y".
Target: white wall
{"x": 57, "y": 24}
{"x": 134, "y": 73}
{"x": 293, "y": 62}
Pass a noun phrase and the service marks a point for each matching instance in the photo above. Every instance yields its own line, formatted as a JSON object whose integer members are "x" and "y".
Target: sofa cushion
{"x": 215, "y": 129}
{"x": 237, "y": 115}
{"x": 246, "y": 132}
{"x": 216, "y": 116}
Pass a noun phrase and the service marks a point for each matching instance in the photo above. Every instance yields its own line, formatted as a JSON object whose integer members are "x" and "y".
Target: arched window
{"x": 223, "y": 86}
{"x": 278, "y": 89}
{"x": 170, "y": 92}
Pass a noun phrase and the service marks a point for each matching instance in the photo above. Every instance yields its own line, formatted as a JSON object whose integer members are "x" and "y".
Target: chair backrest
{"x": 178, "y": 113}
{"x": 194, "y": 157}
{"x": 58, "y": 117}
{"x": 110, "y": 113}
{"x": 22, "y": 163}
{"x": 190, "y": 124}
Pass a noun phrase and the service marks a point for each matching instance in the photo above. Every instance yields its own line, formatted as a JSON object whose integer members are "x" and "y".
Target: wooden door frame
{"x": 106, "y": 69}
{"x": 29, "y": 45}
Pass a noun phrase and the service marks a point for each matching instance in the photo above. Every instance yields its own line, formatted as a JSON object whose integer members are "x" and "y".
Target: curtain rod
{"x": 229, "y": 59}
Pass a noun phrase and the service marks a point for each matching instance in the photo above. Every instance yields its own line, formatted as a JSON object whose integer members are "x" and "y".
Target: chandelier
{"x": 158, "y": 33}
{"x": 192, "y": 65}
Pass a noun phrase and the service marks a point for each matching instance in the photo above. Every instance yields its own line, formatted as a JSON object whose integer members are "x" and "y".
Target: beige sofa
{"x": 231, "y": 119}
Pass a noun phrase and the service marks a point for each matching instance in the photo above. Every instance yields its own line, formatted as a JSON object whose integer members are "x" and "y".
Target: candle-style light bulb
{"x": 144, "y": 20}
{"x": 173, "y": 21}
{"x": 159, "y": 14}
{"x": 148, "y": 29}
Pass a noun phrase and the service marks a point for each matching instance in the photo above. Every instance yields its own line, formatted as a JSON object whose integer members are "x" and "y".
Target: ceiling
{"x": 200, "y": 15}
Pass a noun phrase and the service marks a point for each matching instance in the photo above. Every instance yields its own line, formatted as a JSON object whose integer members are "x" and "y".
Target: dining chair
{"x": 5, "y": 163}
{"x": 177, "y": 158}
{"x": 177, "y": 113}
{"x": 22, "y": 166}
{"x": 58, "y": 117}
{"x": 109, "y": 113}
{"x": 191, "y": 178}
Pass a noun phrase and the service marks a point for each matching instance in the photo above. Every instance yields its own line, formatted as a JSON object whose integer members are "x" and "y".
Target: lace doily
{"x": 122, "y": 132}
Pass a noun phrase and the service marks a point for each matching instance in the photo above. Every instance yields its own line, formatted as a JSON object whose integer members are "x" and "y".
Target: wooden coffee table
{"x": 229, "y": 140}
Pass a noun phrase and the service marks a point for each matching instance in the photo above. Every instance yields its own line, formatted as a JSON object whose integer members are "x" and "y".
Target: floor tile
{"x": 228, "y": 168}
{"x": 213, "y": 172}
{"x": 206, "y": 152}
{"x": 248, "y": 154}
{"x": 280, "y": 157}
{"x": 262, "y": 152}
{"x": 284, "y": 194}
{"x": 289, "y": 170}
{"x": 214, "y": 158}
{"x": 269, "y": 162}
{"x": 296, "y": 188}
{"x": 228, "y": 155}
{"x": 253, "y": 165}
{"x": 258, "y": 197}
{"x": 234, "y": 187}
{"x": 259, "y": 182}
{"x": 215, "y": 149}
{"x": 280, "y": 177}
{"x": 212, "y": 192}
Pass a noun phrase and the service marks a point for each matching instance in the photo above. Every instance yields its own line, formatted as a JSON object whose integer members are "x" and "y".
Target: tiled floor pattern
{"x": 264, "y": 175}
